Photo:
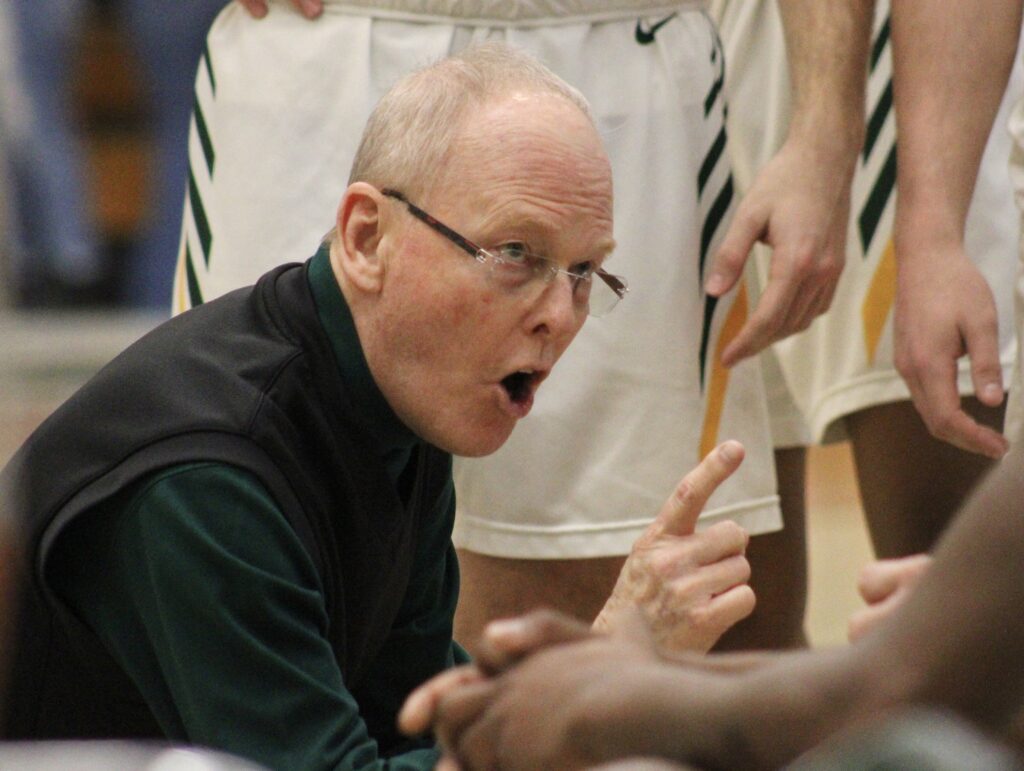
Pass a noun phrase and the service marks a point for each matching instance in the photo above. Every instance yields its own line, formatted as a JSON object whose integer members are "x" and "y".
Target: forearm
{"x": 725, "y": 663}
{"x": 951, "y": 63}
{"x": 827, "y": 45}
{"x": 960, "y": 635}
{"x": 759, "y": 719}
{"x": 956, "y": 642}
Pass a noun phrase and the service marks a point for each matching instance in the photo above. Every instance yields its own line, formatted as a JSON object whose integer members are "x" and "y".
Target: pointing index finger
{"x": 678, "y": 516}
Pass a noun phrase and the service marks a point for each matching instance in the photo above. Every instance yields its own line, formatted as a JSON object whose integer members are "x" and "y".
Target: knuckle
{"x": 918, "y": 361}
{"x": 663, "y": 564}
{"x": 804, "y": 262}
{"x": 684, "y": 491}
{"x": 771, "y": 326}
{"x": 681, "y": 595}
{"x": 747, "y": 601}
{"x": 729, "y": 259}
{"x": 698, "y": 616}
{"x": 728, "y": 532}
{"x": 828, "y": 268}
{"x": 943, "y": 425}
{"x": 744, "y": 570}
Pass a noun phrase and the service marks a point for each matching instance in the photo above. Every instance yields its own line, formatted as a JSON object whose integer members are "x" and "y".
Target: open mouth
{"x": 520, "y": 385}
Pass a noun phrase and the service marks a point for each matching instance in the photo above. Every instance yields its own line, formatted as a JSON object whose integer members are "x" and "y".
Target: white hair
{"x": 409, "y": 133}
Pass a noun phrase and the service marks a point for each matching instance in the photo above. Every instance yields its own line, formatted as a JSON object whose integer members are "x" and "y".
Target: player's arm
{"x": 951, "y": 63}
{"x": 799, "y": 203}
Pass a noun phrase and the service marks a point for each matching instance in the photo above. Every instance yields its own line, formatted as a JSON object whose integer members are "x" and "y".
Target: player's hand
{"x": 308, "y": 8}
{"x": 798, "y": 205}
{"x": 419, "y": 711}
{"x": 944, "y": 310}
{"x": 690, "y": 586}
{"x": 503, "y": 644}
{"x": 884, "y": 585}
{"x": 569, "y": 706}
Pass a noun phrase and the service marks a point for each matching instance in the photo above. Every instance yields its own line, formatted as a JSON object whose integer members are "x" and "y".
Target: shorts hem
{"x": 872, "y": 390}
{"x": 757, "y": 517}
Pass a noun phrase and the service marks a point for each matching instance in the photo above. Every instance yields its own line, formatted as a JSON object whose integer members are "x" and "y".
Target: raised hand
{"x": 690, "y": 586}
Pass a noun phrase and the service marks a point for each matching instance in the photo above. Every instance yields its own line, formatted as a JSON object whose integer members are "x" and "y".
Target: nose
{"x": 556, "y": 314}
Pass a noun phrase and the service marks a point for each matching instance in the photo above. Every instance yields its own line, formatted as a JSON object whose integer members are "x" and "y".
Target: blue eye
{"x": 582, "y": 270}
{"x": 515, "y": 252}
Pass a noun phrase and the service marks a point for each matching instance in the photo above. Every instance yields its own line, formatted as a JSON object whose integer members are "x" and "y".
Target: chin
{"x": 473, "y": 444}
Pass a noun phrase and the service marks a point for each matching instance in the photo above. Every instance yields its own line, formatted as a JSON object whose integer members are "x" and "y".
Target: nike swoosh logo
{"x": 646, "y": 36}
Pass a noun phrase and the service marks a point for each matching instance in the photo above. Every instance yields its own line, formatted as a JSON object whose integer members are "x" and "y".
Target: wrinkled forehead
{"x": 529, "y": 146}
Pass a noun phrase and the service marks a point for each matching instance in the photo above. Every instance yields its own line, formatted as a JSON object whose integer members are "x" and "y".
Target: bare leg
{"x": 778, "y": 563}
{"x": 911, "y": 484}
{"x": 495, "y": 587}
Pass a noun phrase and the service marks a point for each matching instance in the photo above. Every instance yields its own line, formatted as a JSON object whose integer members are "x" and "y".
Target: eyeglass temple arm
{"x": 615, "y": 283}
{"x": 460, "y": 241}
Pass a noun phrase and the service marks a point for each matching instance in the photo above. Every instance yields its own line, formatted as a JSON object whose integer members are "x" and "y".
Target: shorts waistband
{"x": 512, "y": 12}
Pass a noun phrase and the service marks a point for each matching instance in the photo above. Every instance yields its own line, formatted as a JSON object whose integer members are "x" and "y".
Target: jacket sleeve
{"x": 197, "y": 584}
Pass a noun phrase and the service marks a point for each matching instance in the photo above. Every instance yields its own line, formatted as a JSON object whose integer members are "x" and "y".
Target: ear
{"x": 359, "y": 227}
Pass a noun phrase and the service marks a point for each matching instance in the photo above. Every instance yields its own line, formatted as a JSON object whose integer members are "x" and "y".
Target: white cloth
{"x": 1015, "y": 404}
{"x": 844, "y": 362}
{"x": 281, "y": 104}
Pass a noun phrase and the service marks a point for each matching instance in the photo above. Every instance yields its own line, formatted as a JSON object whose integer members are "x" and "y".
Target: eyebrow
{"x": 532, "y": 229}
{"x": 607, "y": 247}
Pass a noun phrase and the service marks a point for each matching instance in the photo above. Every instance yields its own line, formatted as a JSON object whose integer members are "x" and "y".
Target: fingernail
{"x": 728, "y": 451}
{"x": 992, "y": 393}
{"x": 714, "y": 284}
{"x": 312, "y": 8}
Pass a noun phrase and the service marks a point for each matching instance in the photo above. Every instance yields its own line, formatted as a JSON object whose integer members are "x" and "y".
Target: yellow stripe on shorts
{"x": 718, "y": 383}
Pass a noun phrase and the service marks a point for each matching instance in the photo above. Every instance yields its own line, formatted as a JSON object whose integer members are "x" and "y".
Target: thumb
{"x": 678, "y": 515}
{"x": 880, "y": 579}
{"x": 982, "y": 342}
{"x": 739, "y": 239}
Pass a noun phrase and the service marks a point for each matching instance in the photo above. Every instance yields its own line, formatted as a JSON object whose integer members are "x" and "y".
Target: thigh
{"x": 778, "y": 568}
{"x": 497, "y": 587}
{"x": 911, "y": 483}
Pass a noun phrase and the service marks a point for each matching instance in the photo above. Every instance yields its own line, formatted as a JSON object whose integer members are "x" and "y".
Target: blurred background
{"x": 95, "y": 97}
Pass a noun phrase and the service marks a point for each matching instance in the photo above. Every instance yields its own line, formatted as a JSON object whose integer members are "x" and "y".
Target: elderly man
{"x": 638, "y": 400}
{"x": 240, "y": 529}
